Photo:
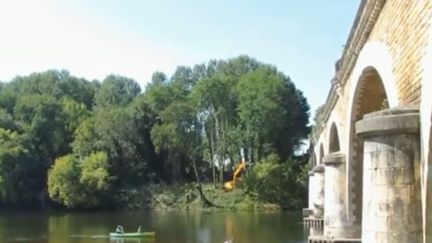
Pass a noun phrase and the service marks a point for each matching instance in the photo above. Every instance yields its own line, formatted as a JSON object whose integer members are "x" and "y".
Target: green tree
{"x": 108, "y": 137}
{"x": 74, "y": 114}
{"x": 158, "y": 78}
{"x": 57, "y": 84}
{"x": 94, "y": 178}
{"x": 272, "y": 112}
{"x": 42, "y": 119}
{"x": 79, "y": 183}
{"x": 116, "y": 131}
{"x": 181, "y": 131}
{"x": 216, "y": 109}
{"x": 63, "y": 182}
{"x": 6, "y": 121}
{"x": 272, "y": 180}
{"x": 86, "y": 138}
{"x": 116, "y": 91}
{"x": 19, "y": 171}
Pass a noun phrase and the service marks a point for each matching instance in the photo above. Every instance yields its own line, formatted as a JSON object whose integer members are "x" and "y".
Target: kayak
{"x": 134, "y": 234}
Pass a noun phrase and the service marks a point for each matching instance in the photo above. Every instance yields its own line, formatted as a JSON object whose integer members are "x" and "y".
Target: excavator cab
{"x": 240, "y": 167}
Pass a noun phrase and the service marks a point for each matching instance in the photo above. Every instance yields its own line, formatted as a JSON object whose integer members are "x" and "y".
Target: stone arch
{"x": 369, "y": 95}
{"x": 373, "y": 63}
{"x": 375, "y": 54}
{"x": 334, "y": 144}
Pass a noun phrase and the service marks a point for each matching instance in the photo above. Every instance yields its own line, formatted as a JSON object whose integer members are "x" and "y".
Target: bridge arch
{"x": 370, "y": 96}
{"x": 375, "y": 54}
{"x": 334, "y": 144}
{"x": 373, "y": 88}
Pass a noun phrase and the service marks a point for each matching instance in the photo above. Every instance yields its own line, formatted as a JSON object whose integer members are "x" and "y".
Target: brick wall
{"x": 402, "y": 25}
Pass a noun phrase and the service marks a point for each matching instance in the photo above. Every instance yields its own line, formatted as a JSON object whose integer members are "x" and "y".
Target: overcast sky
{"x": 93, "y": 38}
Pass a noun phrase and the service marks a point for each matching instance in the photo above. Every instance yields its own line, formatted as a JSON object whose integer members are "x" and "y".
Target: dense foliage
{"x": 78, "y": 143}
{"x": 273, "y": 180}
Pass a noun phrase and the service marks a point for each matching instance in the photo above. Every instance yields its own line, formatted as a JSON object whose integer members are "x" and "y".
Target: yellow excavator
{"x": 240, "y": 167}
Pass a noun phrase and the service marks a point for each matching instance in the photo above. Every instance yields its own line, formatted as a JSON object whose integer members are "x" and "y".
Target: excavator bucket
{"x": 229, "y": 185}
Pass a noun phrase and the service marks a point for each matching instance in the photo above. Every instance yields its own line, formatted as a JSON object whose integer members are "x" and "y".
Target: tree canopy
{"x": 75, "y": 142}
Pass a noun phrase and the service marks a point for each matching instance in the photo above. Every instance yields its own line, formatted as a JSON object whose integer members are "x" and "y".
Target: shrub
{"x": 276, "y": 182}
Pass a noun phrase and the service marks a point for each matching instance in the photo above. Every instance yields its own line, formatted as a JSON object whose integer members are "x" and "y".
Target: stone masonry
{"x": 382, "y": 192}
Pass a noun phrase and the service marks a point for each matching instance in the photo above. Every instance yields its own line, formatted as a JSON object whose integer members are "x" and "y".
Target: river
{"x": 176, "y": 227}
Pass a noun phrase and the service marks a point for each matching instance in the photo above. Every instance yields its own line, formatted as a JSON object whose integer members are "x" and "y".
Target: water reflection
{"x": 247, "y": 227}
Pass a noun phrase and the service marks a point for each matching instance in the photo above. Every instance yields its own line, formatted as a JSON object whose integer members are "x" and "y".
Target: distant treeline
{"x": 78, "y": 143}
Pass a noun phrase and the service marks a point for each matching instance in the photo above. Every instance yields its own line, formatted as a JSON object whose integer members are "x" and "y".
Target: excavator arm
{"x": 229, "y": 185}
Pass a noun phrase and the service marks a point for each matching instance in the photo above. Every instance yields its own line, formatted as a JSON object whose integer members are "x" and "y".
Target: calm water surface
{"x": 170, "y": 227}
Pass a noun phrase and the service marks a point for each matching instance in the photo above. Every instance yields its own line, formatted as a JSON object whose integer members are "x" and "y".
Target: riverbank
{"x": 158, "y": 198}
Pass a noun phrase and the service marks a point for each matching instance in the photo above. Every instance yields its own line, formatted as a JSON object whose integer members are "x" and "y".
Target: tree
{"x": 79, "y": 183}
{"x": 94, "y": 178}
{"x": 99, "y": 139}
{"x": 114, "y": 132}
{"x": 271, "y": 177}
{"x": 158, "y": 78}
{"x": 63, "y": 182}
{"x": 19, "y": 171}
{"x": 181, "y": 131}
{"x": 57, "y": 84}
{"x": 74, "y": 113}
{"x": 42, "y": 119}
{"x": 6, "y": 121}
{"x": 216, "y": 111}
{"x": 273, "y": 113}
{"x": 86, "y": 138}
{"x": 116, "y": 91}
{"x": 184, "y": 77}
{"x": 144, "y": 118}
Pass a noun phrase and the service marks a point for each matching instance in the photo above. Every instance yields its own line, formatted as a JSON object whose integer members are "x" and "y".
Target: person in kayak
{"x": 119, "y": 229}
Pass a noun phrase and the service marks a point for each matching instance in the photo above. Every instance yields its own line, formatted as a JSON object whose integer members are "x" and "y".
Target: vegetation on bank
{"x": 268, "y": 186}
{"x": 69, "y": 142}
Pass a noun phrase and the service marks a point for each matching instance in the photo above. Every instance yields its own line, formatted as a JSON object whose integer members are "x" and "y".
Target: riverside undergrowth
{"x": 160, "y": 197}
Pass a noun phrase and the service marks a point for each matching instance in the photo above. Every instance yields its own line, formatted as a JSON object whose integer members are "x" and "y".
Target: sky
{"x": 134, "y": 38}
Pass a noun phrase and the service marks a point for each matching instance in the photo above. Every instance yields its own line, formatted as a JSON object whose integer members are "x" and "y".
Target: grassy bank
{"x": 186, "y": 197}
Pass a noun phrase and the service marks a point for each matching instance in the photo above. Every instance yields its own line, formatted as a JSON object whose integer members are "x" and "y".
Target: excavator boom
{"x": 229, "y": 185}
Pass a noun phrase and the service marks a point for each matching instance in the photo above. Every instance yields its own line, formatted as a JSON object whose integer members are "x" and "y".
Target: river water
{"x": 213, "y": 227}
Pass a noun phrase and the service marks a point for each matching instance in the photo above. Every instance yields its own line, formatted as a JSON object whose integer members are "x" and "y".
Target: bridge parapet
{"x": 366, "y": 17}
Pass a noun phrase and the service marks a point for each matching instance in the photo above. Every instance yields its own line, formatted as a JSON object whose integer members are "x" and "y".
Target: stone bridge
{"x": 370, "y": 177}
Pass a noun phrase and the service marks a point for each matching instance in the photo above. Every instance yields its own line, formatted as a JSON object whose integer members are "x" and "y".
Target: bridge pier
{"x": 335, "y": 217}
{"x": 313, "y": 216}
{"x": 311, "y": 195}
{"x": 318, "y": 199}
{"x": 391, "y": 176}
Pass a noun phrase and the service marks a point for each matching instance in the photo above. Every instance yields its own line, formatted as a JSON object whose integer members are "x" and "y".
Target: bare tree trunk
{"x": 209, "y": 134}
{"x": 206, "y": 202}
{"x": 217, "y": 140}
{"x": 212, "y": 158}
{"x": 223, "y": 156}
